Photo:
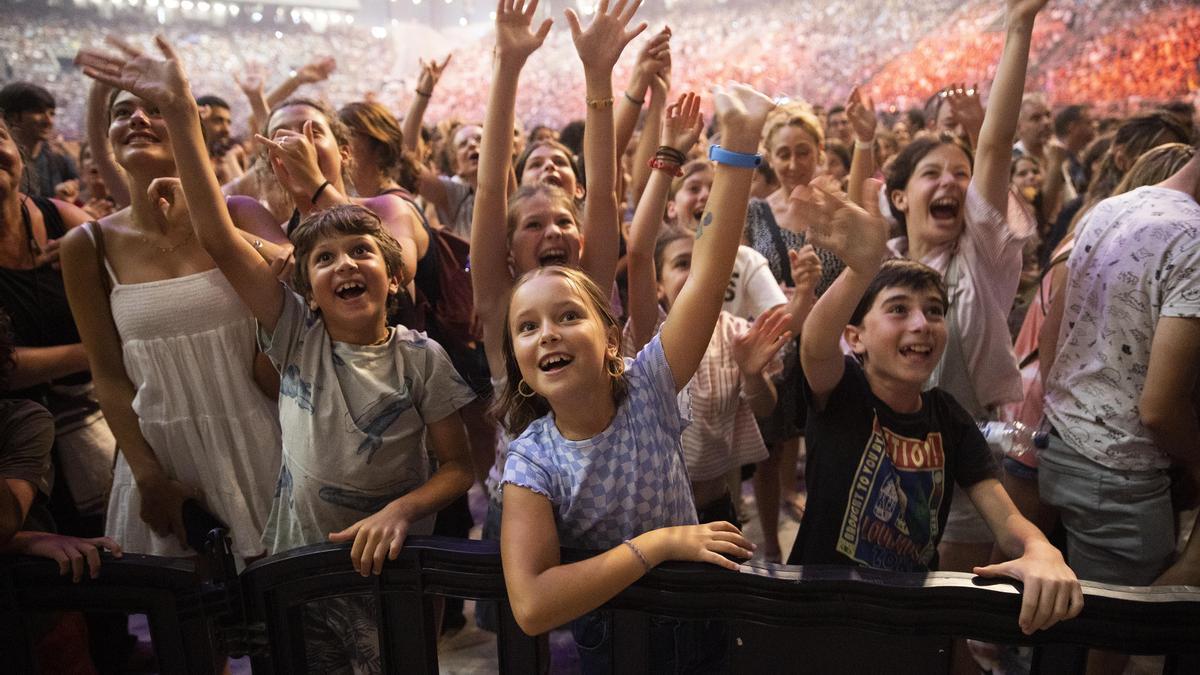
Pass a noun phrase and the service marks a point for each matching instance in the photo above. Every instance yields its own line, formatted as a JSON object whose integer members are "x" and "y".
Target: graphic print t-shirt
{"x": 879, "y": 481}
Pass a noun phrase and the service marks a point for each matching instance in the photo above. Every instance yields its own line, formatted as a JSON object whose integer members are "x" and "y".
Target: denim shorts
{"x": 1120, "y": 526}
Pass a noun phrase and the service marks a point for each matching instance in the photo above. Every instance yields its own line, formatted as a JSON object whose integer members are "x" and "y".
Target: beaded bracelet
{"x": 638, "y": 552}
{"x": 598, "y": 103}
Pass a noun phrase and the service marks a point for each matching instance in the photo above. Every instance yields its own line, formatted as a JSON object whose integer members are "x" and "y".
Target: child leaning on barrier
{"x": 883, "y": 453}
{"x": 357, "y": 398}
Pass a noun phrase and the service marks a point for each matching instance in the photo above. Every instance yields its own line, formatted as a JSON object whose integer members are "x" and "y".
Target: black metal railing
{"x": 780, "y": 619}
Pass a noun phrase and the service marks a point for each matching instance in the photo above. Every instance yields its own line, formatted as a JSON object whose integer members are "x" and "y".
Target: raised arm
{"x": 164, "y": 83}
{"x": 860, "y": 109}
{"x": 490, "y": 276}
{"x": 96, "y": 128}
{"x": 859, "y": 238}
{"x": 682, "y": 129}
{"x": 688, "y": 330}
{"x": 994, "y": 153}
{"x": 431, "y": 72}
{"x": 317, "y": 70}
{"x": 648, "y": 142}
{"x": 599, "y": 47}
{"x": 251, "y": 83}
{"x": 652, "y": 59}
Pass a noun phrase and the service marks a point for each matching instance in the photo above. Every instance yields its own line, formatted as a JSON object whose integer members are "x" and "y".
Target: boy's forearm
{"x": 452, "y": 480}
{"x": 822, "y": 335}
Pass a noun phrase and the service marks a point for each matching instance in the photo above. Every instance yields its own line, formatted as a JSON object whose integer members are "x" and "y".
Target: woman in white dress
{"x": 173, "y": 353}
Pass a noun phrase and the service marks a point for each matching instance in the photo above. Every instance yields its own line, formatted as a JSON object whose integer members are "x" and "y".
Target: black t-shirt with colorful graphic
{"x": 878, "y": 493}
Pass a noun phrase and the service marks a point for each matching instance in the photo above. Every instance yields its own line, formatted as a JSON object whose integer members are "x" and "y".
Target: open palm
{"x": 601, "y": 44}
{"x": 162, "y": 82}
{"x": 514, "y": 38}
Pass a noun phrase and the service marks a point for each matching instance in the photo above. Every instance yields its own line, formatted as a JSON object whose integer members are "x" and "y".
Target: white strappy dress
{"x": 189, "y": 345}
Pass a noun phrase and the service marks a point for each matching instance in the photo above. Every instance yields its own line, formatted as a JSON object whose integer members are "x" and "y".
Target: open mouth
{"x": 944, "y": 208}
{"x": 917, "y": 351}
{"x": 473, "y": 155}
{"x": 554, "y": 362}
{"x": 698, "y": 213}
{"x": 552, "y": 179}
{"x": 553, "y": 256}
{"x": 350, "y": 290}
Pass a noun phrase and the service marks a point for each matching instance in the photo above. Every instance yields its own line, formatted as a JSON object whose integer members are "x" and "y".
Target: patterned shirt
{"x": 626, "y": 480}
{"x": 1136, "y": 258}
{"x": 353, "y": 434}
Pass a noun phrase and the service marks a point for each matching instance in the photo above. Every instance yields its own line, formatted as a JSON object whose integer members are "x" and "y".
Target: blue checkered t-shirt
{"x": 626, "y": 480}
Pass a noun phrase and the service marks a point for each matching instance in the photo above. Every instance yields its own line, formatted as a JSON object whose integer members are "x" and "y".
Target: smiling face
{"x": 688, "y": 205}
{"x": 349, "y": 282}
{"x": 138, "y": 134}
{"x": 290, "y": 120}
{"x": 544, "y": 232}
{"x": 794, "y": 155}
{"x": 674, "y": 266}
{"x": 559, "y": 341}
{"x": 933, "y": 199}
{"x": 901, "y": 337}
{"x": 466, "y": 150}
{"x": 548, "y": 165}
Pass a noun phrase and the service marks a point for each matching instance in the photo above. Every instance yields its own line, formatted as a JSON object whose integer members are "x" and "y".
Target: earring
{"x": 615, "y": 365}
{"x": 522, "y": 386}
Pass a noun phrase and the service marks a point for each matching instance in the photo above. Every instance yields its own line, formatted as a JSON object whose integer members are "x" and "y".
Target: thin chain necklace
{"x": 191, "y": 234}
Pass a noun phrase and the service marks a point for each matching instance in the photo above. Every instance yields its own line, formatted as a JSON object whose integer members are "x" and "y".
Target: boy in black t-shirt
{"x": 884, "y": 455}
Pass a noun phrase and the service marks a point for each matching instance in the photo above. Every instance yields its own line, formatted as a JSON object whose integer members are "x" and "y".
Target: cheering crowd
{"x": 933, "y": 333}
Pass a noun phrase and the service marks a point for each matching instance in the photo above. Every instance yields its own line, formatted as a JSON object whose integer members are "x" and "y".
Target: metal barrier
{"x": 781, "y": 619}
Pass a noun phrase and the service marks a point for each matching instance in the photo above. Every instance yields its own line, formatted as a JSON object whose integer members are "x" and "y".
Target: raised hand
{"x": 252, "y": 80}
{"x": 966, "y": 108}
{"x": 1024, "y": 9}
{"x": 834, "y": 223}
{"x": 167, "y": 194}
{"x": 742, "y": 111}
{"x": 162, "y": 82}
{"x": 709, "y": 543}
{"x": 317, "y": 70}
{"x": 294, "y": 158}
{"x": 755, "y": 348}
{"x": 601, "y": 44}
{"x": 655, "y": 56}
{"x": 515, "y": 40}
{"x": 376, "y": 538}
{"x": 683, "y": 123}
{"x": 861, "y": 111}
{"x": 431, "y": 72}
{"x": 806, "y": 269}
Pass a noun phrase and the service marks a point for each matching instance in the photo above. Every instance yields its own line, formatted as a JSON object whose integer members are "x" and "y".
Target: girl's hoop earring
{"x": 522, "y": 387}
{"x": 615, "y": 366}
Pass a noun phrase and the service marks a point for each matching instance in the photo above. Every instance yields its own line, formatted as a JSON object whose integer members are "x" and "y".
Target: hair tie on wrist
{"x": 317, "y": 194}
{"x": 423, "y": 94}
{"x": 671, "y": 153}
{"x": 636, "y": 101}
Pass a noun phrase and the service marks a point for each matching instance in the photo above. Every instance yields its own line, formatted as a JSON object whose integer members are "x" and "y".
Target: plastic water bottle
{"x": 1014, "y": 438}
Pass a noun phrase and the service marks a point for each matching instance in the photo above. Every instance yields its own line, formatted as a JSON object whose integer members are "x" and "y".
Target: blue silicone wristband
{"x": 739, "y": 159}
